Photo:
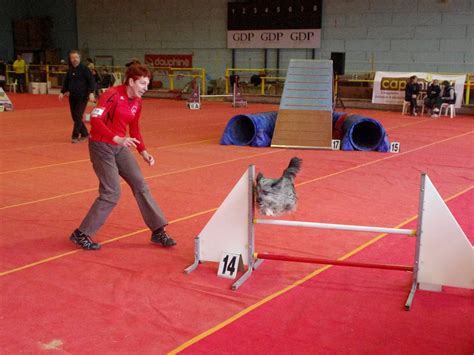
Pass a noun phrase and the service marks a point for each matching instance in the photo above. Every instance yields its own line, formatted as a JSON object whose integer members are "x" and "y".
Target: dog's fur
{"x": 278, "y": 196}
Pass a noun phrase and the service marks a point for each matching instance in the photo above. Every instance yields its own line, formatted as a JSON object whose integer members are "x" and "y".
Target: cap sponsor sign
{"x": 389, "y": 87}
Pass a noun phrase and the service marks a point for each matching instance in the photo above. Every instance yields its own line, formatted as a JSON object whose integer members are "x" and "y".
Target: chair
{"x": 420, "y": 101}
{"x": 406, "y": 107}
{"x": 423, "y": 108}
{"x": 448, "y": 107}
{"x": 12, "y": 85}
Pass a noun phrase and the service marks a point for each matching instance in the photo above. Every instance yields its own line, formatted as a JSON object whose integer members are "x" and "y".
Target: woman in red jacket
{"x": 111, "y": 159}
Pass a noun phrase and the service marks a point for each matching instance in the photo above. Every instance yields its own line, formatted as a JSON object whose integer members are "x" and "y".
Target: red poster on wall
{"x": 169, "y": 60}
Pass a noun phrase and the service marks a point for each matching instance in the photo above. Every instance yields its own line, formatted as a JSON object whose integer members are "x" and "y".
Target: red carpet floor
{"x": 133, "y": 297}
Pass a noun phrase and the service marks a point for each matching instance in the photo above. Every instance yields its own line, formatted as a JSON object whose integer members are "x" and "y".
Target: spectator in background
{"x": 448, "y": 96}
{"x": 19, "y": 66}
{"x": 106, "y": 80}
{"x": 90, "y": 64}
{"x": 96, "y": 77}
{"x": 256, "y": 80}
{"x": 80, "y": 84}
{"x": 234, "y": 79}
{"x": 61, "y": 70}
{"x": 3, "y": 73}
{"x": 432, "y": 96}
{"x": 411, "y": 92}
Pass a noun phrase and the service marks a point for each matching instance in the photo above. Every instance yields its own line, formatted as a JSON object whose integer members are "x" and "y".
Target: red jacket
{"x": 112, "y": 115}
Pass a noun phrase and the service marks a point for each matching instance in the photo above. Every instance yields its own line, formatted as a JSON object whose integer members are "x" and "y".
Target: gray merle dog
{"x": 278, "y": 196}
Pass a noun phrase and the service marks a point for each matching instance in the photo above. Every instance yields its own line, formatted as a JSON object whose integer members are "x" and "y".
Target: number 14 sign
{"x": 229, "y": 264}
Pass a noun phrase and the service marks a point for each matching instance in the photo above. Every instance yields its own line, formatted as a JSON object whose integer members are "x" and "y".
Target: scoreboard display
{"x": 274, "y": 24}
{"x": 274, "y": 15}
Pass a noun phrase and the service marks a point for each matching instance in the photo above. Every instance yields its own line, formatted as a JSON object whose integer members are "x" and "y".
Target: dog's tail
{"x": 293, "y": 168}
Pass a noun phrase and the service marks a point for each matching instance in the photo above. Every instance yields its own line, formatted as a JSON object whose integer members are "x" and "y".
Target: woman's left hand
{"x": 148, "y": 158}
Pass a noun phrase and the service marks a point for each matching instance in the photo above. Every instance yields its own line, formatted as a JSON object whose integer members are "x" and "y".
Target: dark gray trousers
{"x": 78, "y": 105}
{"x": 111, "y": 162}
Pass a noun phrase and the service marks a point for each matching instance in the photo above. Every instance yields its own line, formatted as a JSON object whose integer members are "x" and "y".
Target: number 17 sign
{"x": 229, "y": 264}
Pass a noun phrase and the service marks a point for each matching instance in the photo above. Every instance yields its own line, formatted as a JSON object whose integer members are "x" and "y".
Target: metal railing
{"x": 264, "y": 74}
{"x": 55, "y": 74}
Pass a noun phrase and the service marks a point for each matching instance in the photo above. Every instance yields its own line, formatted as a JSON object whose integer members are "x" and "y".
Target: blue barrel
{"x": 364, "y": 133}
{"x": 255, "y": 129}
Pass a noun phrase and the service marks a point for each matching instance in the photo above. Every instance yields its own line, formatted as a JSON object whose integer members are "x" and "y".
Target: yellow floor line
{"x": 172, "y": 222}
{"x": 276, "y": 294}
{"x": 146, "y": 178}
{"x": 88, "y": 160}
{"x": 295, "y": 284}
{"x": 266, "y": 299}
{"x": 33, "y": 147}
{"x": 44, "y": 166}
{"x": 153, "y": 148}
{"x": 391, "y": 156}
{"x": 407, "y": 124}
{"x": 184, "y": 218}
{"x": 39, "y": 262}
{"x": 250, "y": 156}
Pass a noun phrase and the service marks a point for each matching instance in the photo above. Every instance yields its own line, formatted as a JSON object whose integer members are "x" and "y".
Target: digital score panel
{"x": 274, "y": 15}
{"x": 274, "y": 24}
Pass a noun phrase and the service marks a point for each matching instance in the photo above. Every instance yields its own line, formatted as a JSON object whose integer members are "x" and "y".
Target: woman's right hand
{"x": 126, "y": 141}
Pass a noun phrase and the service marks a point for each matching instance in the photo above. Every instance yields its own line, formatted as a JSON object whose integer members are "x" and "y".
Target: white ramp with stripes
{"x": 305, "y": 114}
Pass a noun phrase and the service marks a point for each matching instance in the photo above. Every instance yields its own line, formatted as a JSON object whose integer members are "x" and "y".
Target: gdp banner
{"x": 389, "y": 87}
{"x": 301, "y": 38}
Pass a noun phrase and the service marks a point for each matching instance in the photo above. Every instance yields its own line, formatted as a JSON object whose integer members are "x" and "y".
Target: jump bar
{"x": 346, "y": 227}
{"x": 332, "y": 262}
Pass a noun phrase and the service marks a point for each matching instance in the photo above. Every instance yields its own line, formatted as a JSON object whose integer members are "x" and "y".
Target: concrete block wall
{"x": 131, "y": 29}
{"x": 61, "y": 12}
{"x": 396, "y": 35}
{"x": 8, "y": 12}
{"x": 401, "y": 35}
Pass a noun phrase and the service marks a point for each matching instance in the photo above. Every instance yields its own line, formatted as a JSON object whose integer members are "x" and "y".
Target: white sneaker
{"x": 434, "y": 115}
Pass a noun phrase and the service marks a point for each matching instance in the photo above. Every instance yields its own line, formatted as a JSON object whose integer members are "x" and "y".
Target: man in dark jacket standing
{"x": 80, "y": 84}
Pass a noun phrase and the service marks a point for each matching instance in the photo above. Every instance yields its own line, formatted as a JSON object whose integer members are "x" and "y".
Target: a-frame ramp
{"x": 305, "y": 114}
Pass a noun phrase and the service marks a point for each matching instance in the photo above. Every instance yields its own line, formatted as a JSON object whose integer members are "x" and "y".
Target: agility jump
{"x": 194, "y": 101}
{"x": 443, "y": 254}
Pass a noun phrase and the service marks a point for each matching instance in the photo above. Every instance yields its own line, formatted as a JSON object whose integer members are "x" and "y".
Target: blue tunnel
{"x": 255, "y": 129}
{"x": 360, "y": 133}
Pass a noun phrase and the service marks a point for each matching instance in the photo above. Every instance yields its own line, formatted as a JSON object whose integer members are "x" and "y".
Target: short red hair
{"x": 136, "y": 71}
